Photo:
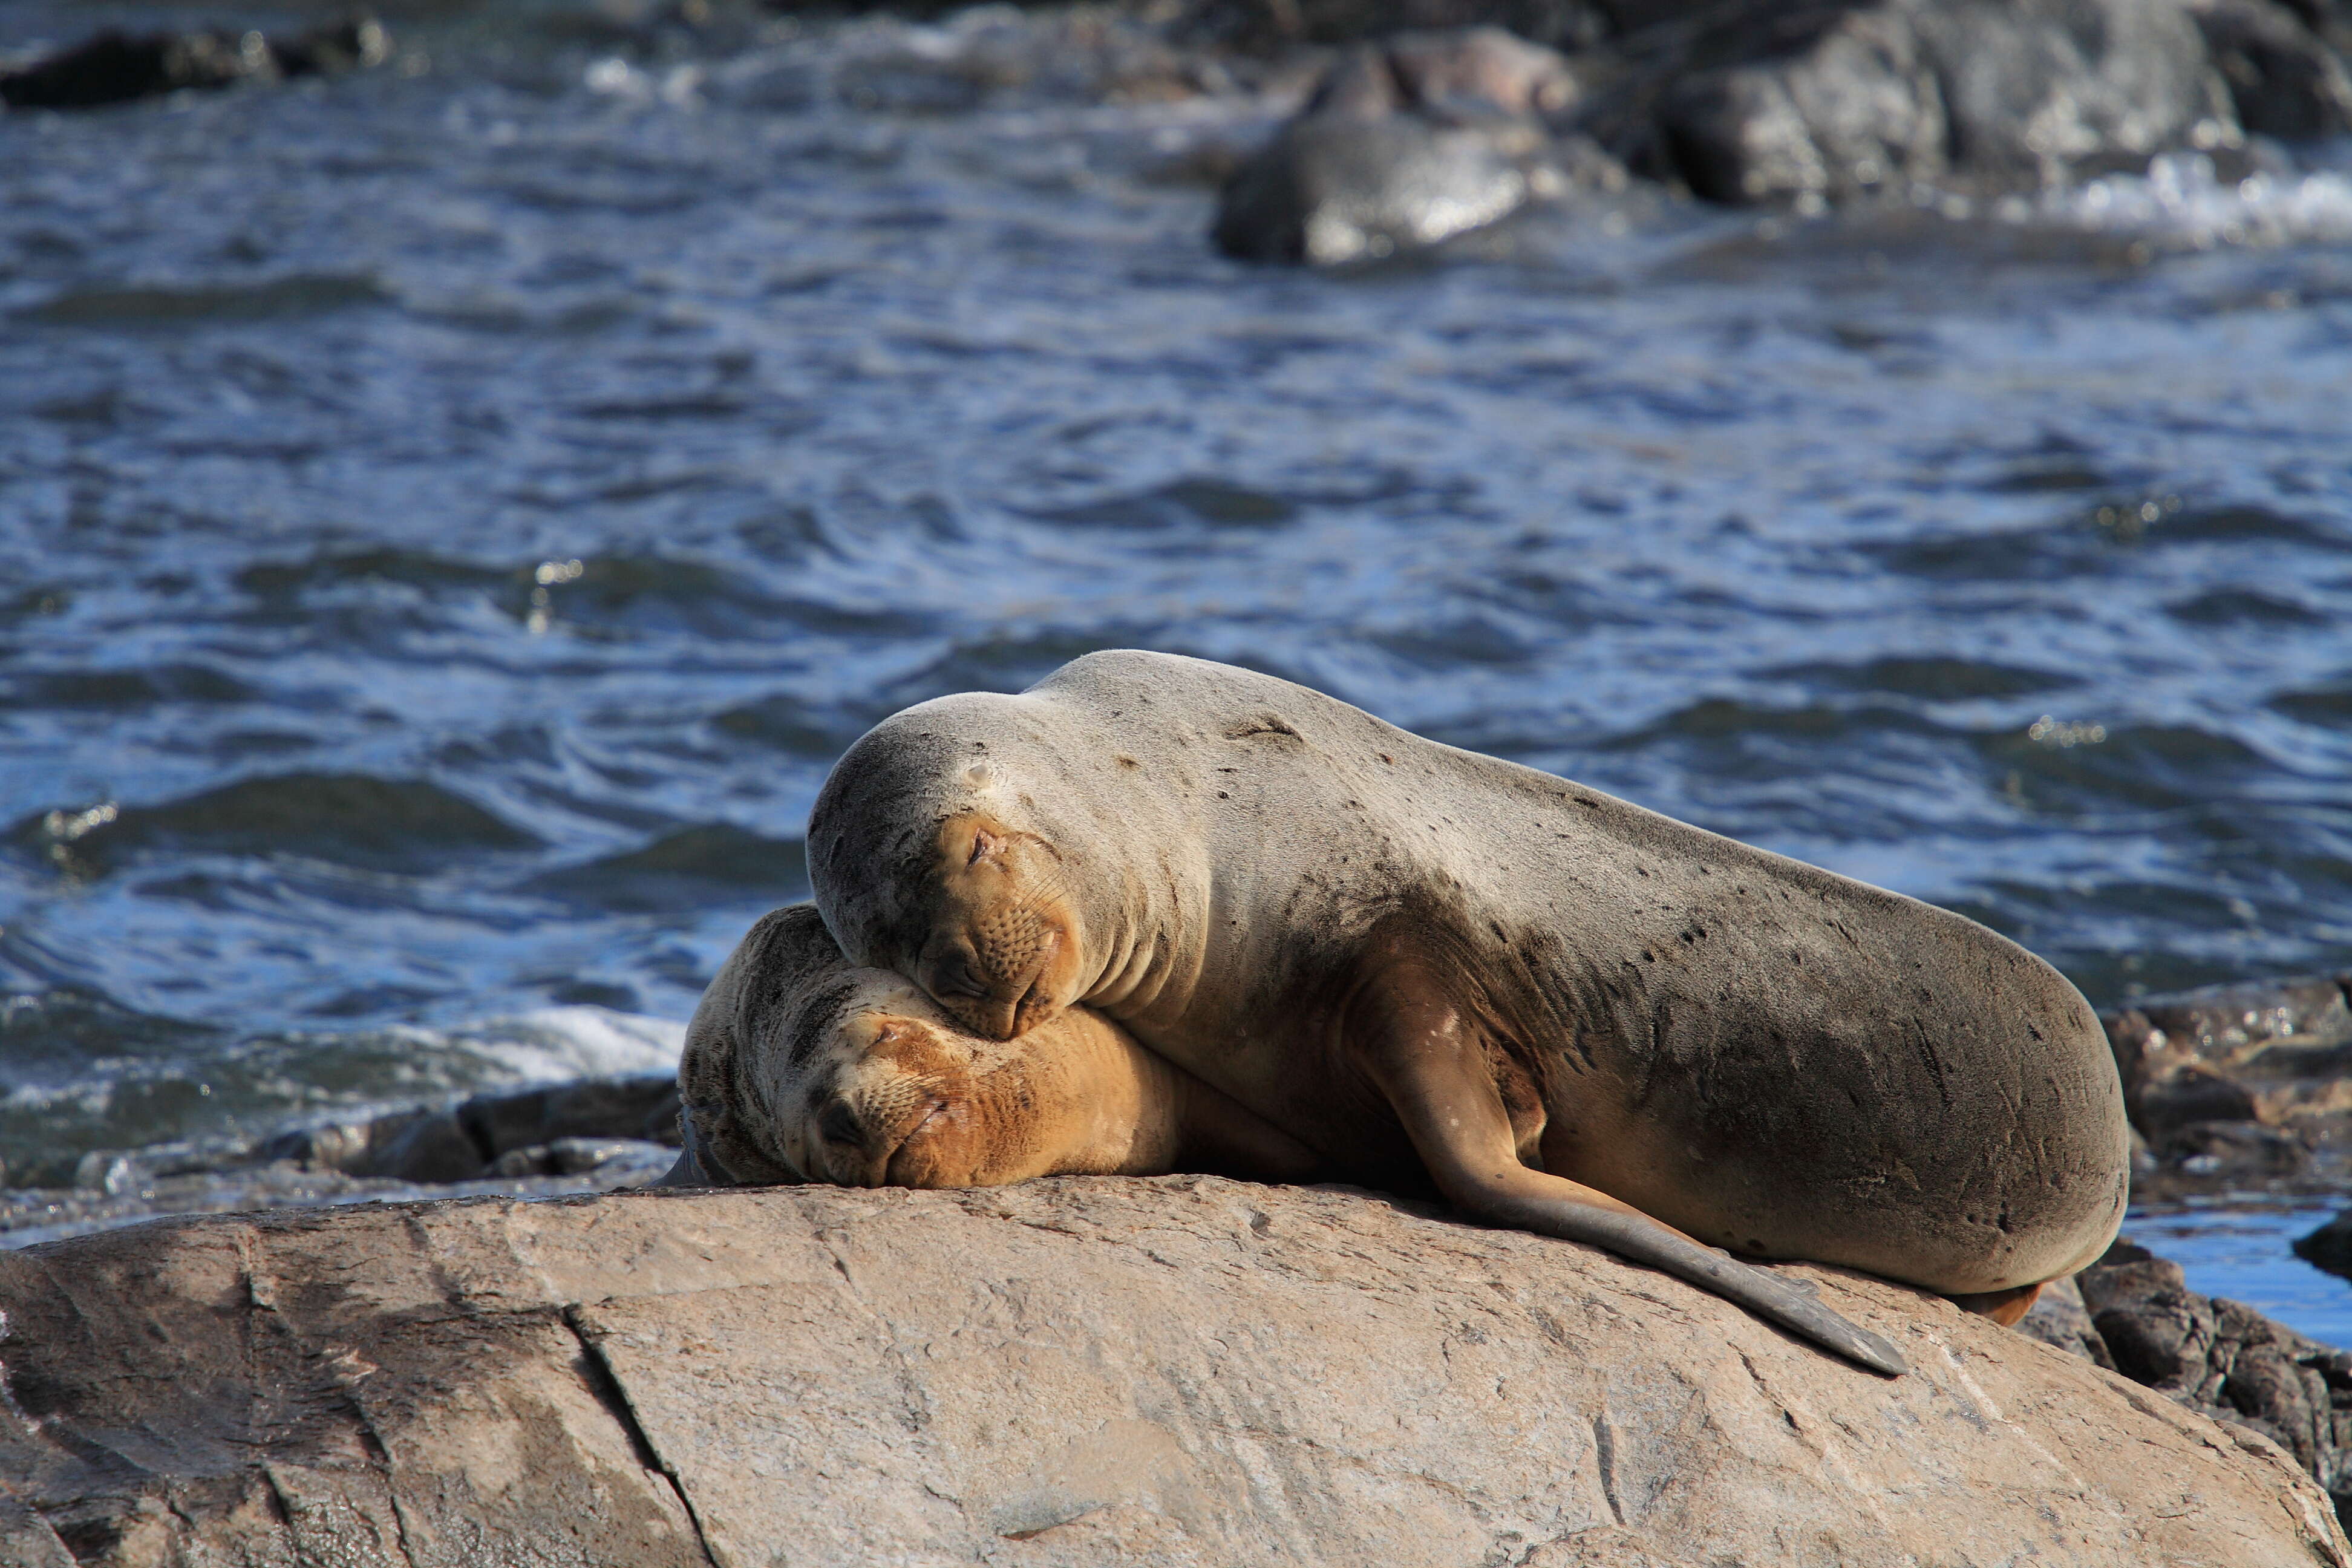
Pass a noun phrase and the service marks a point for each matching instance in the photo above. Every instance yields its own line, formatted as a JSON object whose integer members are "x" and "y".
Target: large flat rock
{"x": 1081, "y": 1370}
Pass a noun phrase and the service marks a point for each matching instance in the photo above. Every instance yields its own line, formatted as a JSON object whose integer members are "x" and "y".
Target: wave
{"x": 80, "y": 1073}
{"x": 352, "y": 819}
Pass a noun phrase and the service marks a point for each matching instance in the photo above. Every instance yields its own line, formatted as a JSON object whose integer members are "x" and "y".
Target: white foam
{"x": 2181, "y": 200}
{"x": 553, "y": 1045}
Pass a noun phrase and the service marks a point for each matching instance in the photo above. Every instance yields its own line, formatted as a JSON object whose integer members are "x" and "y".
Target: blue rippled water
{"x": 451, "y": 517}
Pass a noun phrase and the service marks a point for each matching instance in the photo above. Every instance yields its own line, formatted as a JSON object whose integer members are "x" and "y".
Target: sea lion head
{"x": 833, "y": 1073}
{"x": 951, "y": 843}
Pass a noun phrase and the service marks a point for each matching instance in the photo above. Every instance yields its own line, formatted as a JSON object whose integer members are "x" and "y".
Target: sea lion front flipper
{"x": 1431, "y": 1068}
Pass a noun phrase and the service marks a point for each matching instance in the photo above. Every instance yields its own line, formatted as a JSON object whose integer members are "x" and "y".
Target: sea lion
{"x": 1575, "y": 1016}
{"x": 800, "y": 1067}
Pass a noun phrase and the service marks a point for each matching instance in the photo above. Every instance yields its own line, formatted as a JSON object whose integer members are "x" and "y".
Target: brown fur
{"x": 799, "y": 1066}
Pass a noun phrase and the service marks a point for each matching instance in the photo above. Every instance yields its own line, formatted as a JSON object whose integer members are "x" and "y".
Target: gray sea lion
{"x": 800, "y": 1067}
{"x": 1576, "y": 1016}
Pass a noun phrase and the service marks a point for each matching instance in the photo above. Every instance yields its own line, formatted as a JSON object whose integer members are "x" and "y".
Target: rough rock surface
{"x": 2223, "y": 1359}
{"x": 1081, "y": 1370}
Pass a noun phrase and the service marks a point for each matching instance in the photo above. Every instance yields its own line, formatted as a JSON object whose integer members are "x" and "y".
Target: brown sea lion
{"x": 800, "y": 1067}
{"x": 1575, "y": 1016}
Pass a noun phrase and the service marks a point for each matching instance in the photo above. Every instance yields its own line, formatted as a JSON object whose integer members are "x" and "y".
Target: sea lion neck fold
{"x": 999, "y": 851}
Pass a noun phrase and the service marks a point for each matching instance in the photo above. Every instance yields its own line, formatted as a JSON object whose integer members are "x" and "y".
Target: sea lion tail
{"x": 1639, "y": 1239}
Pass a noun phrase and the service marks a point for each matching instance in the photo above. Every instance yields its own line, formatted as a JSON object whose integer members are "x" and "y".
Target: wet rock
{"x": 1825, "y": 102}
{"x": 1093, "y": 1370}
{"x": 1406, "y": 144}
{"x": 467, "y": 1140}
{"x": 638, "y": 1108}
{"x": 625, "y": 1158}
{"x": 2245, "y": 1150}
{"x": 1805, "y": 105}
{"x": 2246, "y": 1084}
{"x": 424, "y": 1147}
{"x": 2192, "y": 1095}
{"x": 1828, "y": 103}
{"x": 118, "y": 67}
{"x": 1556, "y": 24}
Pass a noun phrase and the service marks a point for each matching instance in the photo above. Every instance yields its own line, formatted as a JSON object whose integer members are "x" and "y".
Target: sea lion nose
{"x": 845, "y": 1146}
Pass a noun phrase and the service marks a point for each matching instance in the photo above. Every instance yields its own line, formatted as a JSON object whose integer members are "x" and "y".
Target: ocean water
{"x": 451, "y": 517}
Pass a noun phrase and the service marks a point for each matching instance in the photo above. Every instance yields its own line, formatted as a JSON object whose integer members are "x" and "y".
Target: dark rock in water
{"x": 2193, "y": 1096}
{"x": 1825, "y": 102}
{"x": 2330, "y": 1246}
{"x": 2249, "y": 1084}
{"x": 118, "y": 67}
{"x": 581, "y": 1156}
{"x": 2244, "y": 1149}
{"x": 1428, "y": 134}
{"x": 467, "y": 1141}
{"x": 425, "y": 1146}
{"x": 1406, "y": 144}
{"x": 637, "y": 1108}
{"x": 1556, "y": 24}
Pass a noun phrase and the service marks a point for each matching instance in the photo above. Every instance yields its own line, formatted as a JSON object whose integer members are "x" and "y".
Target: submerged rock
{"x": 1076, "y": 1371}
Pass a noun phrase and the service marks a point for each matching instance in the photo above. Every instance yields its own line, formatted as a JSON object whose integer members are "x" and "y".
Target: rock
{"x": 2227, "y": 1361}
{"x": 2245, "y": 1151}
{"x": 2194, "y": 1095}
{"x": 422, "y": 1146}
{"x": 465, "y": 1141}
{"x": 2059, "y": 1317}
{"x": 1808, "y": 104}
{"x": 632, "y": 1159}
{"x": 1557, "y": 24}
{"x": 2284, "y": 80}
{"x": 640, "y": 1108}
{"x": 2244, "y": 1084}
{"x": 1080, "y": 1371}
{"x": 1406, "y": 144}
{"x": 2329, "y": 1248}
{"x": 1826, "y": 101}
{"x": 118, "y": 67}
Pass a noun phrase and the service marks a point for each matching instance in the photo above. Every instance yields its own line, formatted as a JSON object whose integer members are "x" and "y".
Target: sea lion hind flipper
{"x": 1641, "y": 1239}
{"x": 1426, "y": 1060}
